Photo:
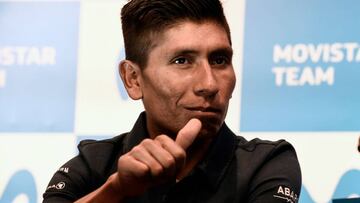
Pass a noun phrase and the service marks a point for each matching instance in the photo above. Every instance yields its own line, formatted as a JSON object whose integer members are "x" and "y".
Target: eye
{"x": 181, "y": 60}
{"x": 220, "y": 60}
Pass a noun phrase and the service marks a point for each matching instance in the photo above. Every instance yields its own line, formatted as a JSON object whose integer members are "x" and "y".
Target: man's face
{"x": 189, "y": 74}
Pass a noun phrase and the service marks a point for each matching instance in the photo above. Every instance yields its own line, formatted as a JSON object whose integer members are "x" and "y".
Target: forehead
{"x": 192, "y": 35}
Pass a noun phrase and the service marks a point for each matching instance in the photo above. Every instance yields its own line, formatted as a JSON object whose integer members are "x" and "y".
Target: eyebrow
{"x": 222, "y": 51}
{"x": 179, "y": 52}
{"x": 228, "y": 51}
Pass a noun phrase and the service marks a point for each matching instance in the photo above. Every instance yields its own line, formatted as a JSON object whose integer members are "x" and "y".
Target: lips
{"x": 205, "y": 111}
{"x": 211, "y": 118}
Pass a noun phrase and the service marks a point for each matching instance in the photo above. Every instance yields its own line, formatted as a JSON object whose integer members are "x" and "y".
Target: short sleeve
{"x": 279, "y": 178}
{"x": 68, "y": 183}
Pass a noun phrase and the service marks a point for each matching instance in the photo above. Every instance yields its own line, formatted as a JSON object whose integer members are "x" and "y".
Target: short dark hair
{"x": 144, "y": 20}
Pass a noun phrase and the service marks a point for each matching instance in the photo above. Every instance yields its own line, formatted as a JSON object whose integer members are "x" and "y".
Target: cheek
{"x": 232, "y": 83}
{"x": 163, "y": 89}
{"x": 228, "y": 83}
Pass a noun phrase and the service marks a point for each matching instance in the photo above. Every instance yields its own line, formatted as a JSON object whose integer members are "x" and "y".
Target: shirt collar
{"x": 218, "y": 157}
{"x": 214, "y": 164}
{"x": 137, "y": 134}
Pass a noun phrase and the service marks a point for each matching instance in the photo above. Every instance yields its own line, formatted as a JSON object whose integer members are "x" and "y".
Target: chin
{"x": 210, "y": 129}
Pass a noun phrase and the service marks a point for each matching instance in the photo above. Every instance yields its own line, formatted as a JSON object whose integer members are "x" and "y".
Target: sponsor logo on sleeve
{"x": 286, "y": 194}
{"x": 58, "y": 186}
{"x": 64, "y": 169}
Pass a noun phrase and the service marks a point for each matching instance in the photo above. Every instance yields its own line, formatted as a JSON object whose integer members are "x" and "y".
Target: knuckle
{"x": 161, "y": 138}
{"x": 147, "y": 142}
{"x": 157, "y": 170}
{"x": 124, "y": 159}
{"x": 169, "y": 161}
{"x": 180, "y": 154}
{"x": 137, "y": 148}
{"x": 143, "y": 170}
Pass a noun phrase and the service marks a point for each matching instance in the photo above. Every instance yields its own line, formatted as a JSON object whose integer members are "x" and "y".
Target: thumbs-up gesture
{"x": 155, "y": 161}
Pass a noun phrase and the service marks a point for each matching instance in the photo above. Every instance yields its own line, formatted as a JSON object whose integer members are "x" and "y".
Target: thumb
{"x": 188, "y": 133}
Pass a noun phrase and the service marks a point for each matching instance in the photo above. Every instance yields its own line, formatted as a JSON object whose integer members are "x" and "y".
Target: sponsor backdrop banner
{"x": 297, "y": 65}
{"x": 38, "y": 58}
{"x": 301, "y": 66}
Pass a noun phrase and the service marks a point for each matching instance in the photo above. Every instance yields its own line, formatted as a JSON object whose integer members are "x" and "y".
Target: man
{"x": 179, "y": 63}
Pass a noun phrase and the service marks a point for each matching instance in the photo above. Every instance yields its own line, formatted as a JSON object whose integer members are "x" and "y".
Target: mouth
{"x": 211, "y": 117}
{"x": 205, "y": 111}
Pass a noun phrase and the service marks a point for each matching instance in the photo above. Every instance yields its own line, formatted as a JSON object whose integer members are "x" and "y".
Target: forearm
{"x": 108, "y": 192}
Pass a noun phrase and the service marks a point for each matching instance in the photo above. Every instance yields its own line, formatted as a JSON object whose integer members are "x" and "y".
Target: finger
{"x": 174, "y": 149}
{"x": 130, "y": 167}
{"x": 162, "y": 156}
{"x": 142, "y": 154}
{"x": 133, "y": 176}
{"x": 188, "y": 133}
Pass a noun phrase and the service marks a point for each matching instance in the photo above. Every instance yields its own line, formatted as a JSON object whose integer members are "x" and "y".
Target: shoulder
{"x": 99, "y": 154}
{"x": 273, "y": 167}
{"x": 261, "y": 153}
{"x": 85, "y": 172}
{"x": 90, "y": 147}
{"x": 255, "y": 143}
{"x": 263, "y": 149}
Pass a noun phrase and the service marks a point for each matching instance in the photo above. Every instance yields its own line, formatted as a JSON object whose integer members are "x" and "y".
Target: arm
{"x": 108, "y": 192}
{"x": 150, "y": 163}
{"x": 147, "y": 164}
{"x": 279, "y": 178}
{"x": 69, "y": 183}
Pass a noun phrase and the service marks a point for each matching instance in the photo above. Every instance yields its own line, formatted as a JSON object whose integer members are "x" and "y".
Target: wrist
{"x": 109, "y": 192}
{"x": 114, "y": 187}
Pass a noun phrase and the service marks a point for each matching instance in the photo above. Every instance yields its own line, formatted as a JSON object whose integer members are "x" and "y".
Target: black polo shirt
{"x": 233, "y": 170}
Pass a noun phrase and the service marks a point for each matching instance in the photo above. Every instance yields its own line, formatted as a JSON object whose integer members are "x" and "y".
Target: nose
{"x": 206, "y": 84}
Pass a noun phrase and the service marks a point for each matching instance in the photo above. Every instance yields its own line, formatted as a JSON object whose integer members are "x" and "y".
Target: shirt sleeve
{"x": 69, "y": 183}
{"x": 278, "y": 180}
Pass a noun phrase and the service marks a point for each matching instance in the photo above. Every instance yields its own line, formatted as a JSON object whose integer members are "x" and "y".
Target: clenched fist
{"x": 155, "y": 161}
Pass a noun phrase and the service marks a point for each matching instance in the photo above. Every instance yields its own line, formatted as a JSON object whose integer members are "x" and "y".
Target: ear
{"x": 130, "y": 74}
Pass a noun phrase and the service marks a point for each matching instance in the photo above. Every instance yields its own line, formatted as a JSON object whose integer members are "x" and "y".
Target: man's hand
{"x": 156, "y": 161}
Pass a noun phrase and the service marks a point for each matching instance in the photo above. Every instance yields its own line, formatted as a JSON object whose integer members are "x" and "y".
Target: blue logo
{"x": 347, "y": 186}
{"x": 120, "y": 85}
{"x": 301, "y": 72}
{"x": 38, "y": 59}
{"x": 22, "y": 182}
